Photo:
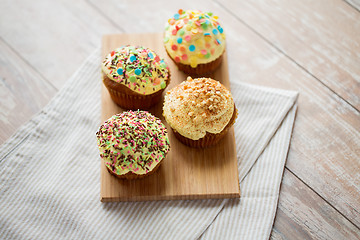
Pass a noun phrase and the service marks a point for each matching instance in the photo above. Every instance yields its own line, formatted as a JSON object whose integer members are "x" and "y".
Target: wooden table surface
{"x": 309, "y": 46}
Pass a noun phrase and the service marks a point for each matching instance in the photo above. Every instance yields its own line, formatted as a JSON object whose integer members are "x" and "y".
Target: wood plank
{"x": 326, "y": 134}
{"x": 186, "y": 173}
{"x": 23, "y": 92}
{"x": 324, "y": 150}
{"x": 149, "y": 21}
{"x": 48, "y": 42}
{"x": 55, "y": 37}
{"x": 296, "y": 203}
{"x": 322, "y": 36}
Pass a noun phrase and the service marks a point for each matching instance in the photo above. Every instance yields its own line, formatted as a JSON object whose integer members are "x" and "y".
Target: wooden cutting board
{"x": 186, "y": 173}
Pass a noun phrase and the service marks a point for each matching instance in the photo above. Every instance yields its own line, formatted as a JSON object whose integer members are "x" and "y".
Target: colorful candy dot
{"x": 120, "y": 71}
{"x": 112, "y": 53}
{"x": 138, "y": 71}
{"x": 206, "y": 34}
{"x": 180, "y": 11}
{"x": 174, "y": 32}
{"x": 208, "y": 38}
{"x": 179, "y": 40}
{"x": 186, "y": 20}
{"x": 176, "y": 16}
{"x": 187, "y": 38}
{"x": 191, "y": 48}
{"x": 193, "y": 61}
{"x": 220, "y": 29}
{"x": 157, "y": 58}
{"x": 162, "y": 84}
{"x": 207, "y": 55}
{"x": 194, "y": 31}
{"x": 177, "y": 59}
{"x": 156, "y": 81}
{"x": 199, "y": 42}
{"x": 132, "y": 58}
{"x": 182, "y": 48}
{"x": 132, "y": 79}
{"x": 171, "y": 21}
{"x": 204, "y": 26}
{"x": 150, "y": 55}
{"x": 181, "y": 32}
{"x": 215, "y": 31}
{"x": 184, "y": 57}
{"x": 203, "y": 52}
{"x": 218, "y": 41}
{"x": 174, "y": 47}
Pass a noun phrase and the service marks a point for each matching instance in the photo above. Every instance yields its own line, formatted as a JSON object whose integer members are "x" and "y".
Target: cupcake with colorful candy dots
{"x": 135, "y": 77}
{"x": 133, "y": 144}
{"x": 195, "y": 41}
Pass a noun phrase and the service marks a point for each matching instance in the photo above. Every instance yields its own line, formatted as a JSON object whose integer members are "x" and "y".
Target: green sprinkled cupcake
{"x": 133, "y": 144}
{"x": 135, "y": 77}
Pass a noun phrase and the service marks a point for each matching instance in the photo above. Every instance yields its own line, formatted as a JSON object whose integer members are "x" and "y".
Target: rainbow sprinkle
{"x": 132, "y": 141}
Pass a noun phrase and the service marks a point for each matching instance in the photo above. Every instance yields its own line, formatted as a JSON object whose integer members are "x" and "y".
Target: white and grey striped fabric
{"x": 50, "y": 170}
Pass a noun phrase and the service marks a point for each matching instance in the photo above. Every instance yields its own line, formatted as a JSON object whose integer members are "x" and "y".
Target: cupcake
{"x": 132, "y": 144}
{"x": 195, "y": 41}
{"x": 135, "y": 77}
{"x": 199, "y": 111}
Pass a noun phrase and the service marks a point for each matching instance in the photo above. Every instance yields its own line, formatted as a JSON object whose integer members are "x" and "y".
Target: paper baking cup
{"x": 210, "y": 139}
{"x": 200, "y": 69}
{"x": 128, "y": 99}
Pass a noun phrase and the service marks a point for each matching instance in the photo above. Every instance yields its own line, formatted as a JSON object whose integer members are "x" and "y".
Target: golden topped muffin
{"x": 195, "y": 41}
{"x": 200, "y": 111}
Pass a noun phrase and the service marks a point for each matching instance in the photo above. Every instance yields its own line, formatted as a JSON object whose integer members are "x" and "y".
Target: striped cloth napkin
{"x": 49, "y": 173}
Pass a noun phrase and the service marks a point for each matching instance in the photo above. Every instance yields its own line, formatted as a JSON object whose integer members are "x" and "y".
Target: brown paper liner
{"x": 131, "y": 175}
{"x": 200, "y": 69}
{"x": 128, "y": 99}
{"x": 210, "y": 139}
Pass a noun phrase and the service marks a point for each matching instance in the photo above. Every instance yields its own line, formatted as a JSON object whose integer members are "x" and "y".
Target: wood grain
{"x": 23, "y": 92}
{"x": 186, "y": 173}
{"x": 322, "y": 37}
{"x": 325, "y": 146}
{"x": 298, "y": 202}
{"x": 59, "y": 35}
